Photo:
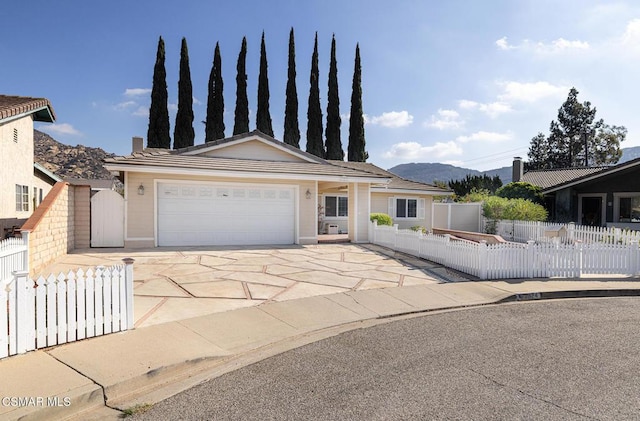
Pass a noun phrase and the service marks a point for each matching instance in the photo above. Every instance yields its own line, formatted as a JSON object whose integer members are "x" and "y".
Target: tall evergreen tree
{"x": 263, "y": 117}
{"x": 356, "y": 149}
{"x": 214, "y": 126}
{"x": 183, "y": 133}
{"x": 576, "y": 139}
{"x": 291, "y": 129}
{"x": 315, "y": 144}
{"x": 241, "y": 115}
{"x": 158, "y": 133}
{"x": 333, "y": 142}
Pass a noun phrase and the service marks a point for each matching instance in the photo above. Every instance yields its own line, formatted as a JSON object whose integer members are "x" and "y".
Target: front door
{"x": 591, "y": 211}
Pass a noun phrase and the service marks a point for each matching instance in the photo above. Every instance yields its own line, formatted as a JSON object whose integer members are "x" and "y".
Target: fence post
{"x": 484, "y": 262}
{"x": 578, "y": 260}
{"x": 570, "y": 231}
{"x": 633, "y": 258}
{"x": 128, "y": 284}
{"x": 395, "y": 236}
{"x": 23, "y": 322}
{"x": 531, "y": 258}
{"x": 375, "y": 227}
{"x": 25, "y": 240}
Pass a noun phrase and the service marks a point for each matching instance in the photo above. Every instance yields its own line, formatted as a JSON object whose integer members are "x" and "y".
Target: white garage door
{"x": 213, "y": 214}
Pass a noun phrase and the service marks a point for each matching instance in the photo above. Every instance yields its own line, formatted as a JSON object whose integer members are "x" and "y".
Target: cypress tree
{"x": 315, "y": 145}
{"x": 263, "y": 117}
{"x": 183, "y": 134}
{"x": 214, "y": 128}
{"x": 356, "y": 150}
{"x": 333, "y": 143}
{"x": 291, "y": 129}
{"x": 241, "y": 115}
{"x": 158, "y": 133}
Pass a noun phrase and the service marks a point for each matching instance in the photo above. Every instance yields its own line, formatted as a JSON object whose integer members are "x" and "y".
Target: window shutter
{"x": 421, "y": 209}
{"x": 392, "y": 207}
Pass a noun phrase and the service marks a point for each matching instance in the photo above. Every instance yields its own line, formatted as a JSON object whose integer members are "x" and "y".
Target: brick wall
{"x": 53, "y": 226}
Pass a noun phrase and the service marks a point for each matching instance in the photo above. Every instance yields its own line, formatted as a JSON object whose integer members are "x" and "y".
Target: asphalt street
{"x": 551, "y": 360}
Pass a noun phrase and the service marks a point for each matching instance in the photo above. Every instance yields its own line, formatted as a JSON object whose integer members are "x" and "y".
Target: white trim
{"x": 355, "y": 211}
{"x": 336, "y": 195}
{"x": 239, "y": 174}
{"x": 139, "y": 239}
{"x": 296, "y": 200}
{"x": 249, "y": 139}
{"x": 616, "y": 203}
{"x": 406, "y": 218}
{"x": 375, "y": 189}
{"x": 26, "y": 114}
{"x": 603, "y": 211}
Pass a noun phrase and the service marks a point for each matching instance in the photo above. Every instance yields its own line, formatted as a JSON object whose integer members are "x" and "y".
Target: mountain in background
{"x": 430, "y": 172}
{"x": 70, "y": 161}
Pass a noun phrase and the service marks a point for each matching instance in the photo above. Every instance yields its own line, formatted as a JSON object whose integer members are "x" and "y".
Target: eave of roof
{"x": 14, "y": 107}
{"x": 46, "y": 172}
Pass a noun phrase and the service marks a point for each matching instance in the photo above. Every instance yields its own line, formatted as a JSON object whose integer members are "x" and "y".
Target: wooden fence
{"x": 513, "y": 260}
{"x": 65, "y": 308}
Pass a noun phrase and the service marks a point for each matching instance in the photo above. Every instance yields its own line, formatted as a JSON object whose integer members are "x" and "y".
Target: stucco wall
{"x": 380, "y": 204}
{"x": 16, "y": 166}
{"x": 140, "y": 210}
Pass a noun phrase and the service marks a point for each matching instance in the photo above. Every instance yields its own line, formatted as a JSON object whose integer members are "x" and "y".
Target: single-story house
{"x": 596, "y": 196}
{"x": 253, "y": 189}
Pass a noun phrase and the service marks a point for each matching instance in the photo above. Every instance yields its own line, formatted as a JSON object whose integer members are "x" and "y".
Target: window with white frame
{"x": 406, "y": 208}
{"x": 22, "y": 198}
{"x": 336, "y": 206}
{"x": 628, "y": 207}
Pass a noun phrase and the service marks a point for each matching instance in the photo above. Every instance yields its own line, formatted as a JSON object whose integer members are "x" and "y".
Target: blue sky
{"x": 461, "y": 82}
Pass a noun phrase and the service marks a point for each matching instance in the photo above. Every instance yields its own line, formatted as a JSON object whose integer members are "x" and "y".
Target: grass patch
{"x": 137, "y": 409}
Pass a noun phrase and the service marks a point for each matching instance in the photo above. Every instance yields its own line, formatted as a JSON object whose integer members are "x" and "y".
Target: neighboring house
{"x": 23, "y": 183}
{"x": 597, "y": 196}
{"x": 252, "y": 189}
{"x": 96, "y": 185}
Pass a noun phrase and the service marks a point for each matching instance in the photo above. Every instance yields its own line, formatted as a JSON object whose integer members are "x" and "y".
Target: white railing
{"x": 513, "y": 260}
{"x": 14, "y": 256}
{"x": 523, "y": 231}
{"x": 50, "y": 311}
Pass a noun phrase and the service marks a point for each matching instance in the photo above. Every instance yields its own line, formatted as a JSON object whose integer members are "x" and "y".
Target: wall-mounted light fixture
{"x": 141, "y": 190}
{"x": 308, "y": 194}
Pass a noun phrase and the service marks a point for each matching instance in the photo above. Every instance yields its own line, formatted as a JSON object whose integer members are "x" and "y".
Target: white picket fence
{"x": 64, "y": 308}
{"x": 513, "y": 260}
{"x": 522, "y": 231}
{"x": 14, "y": 256}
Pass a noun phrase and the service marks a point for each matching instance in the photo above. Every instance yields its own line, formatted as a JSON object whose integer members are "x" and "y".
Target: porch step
{"x": 333, "y": 238}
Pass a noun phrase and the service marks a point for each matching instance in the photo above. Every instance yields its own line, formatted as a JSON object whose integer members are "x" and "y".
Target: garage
{"x": 203, "y": 214}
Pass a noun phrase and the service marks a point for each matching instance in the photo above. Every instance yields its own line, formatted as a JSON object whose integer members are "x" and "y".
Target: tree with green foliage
{"x": 263, "y": 117}
{"x": 332, "y": 133}
{"x": 214, "y": 125}
{"x": 521, "y": 190}
{"x": 475, "y": 182}
{"x": 576, "y": 139}
{"x": 158, "y": 132}
{"x": 356, "y": 149}
{"x": 496, "y": 208}
{"x": 315, "y": 144}
{"x": 291, "y": 129}
{"x": 183, "y": 133}
{"x": 241, "y": 115}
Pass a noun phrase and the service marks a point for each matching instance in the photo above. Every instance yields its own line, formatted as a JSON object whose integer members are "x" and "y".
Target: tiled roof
{"x": 171, "y": 160}
{"x": 396, "y": 182}
{"x": 550, "y": 178}
{"x": 11, "y": 106}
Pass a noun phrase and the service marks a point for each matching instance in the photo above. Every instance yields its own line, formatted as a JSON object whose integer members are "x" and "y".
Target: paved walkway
{"x": 177, "y": 284}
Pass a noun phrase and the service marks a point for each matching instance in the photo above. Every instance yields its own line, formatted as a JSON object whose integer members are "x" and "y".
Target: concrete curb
{"x": 162, "y": 360}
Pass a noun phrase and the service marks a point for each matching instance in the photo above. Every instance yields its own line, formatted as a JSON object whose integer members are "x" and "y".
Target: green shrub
{"x": 496, "y": 208}
{"x": 521, "y": 190}
{"x": 476, "y": 195}
{"x": 419, "y": 228}
{"x": 382, "y": 218}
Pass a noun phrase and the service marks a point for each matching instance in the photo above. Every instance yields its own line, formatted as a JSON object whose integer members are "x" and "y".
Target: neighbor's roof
{"x": 95, "y": 184}
{"x": 557, "y": 179}
{"x": 15, "y": 106}
{"x": 396, "y": 183}
{"x": 164, "y": 160}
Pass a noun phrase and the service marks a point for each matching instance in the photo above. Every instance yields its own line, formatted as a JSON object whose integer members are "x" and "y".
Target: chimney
{"x": 517, "y": 169}
{"x": 138, "y": 144}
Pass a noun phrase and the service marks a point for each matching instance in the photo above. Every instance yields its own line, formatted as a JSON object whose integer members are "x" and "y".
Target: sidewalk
{"x": 146, "y": 365}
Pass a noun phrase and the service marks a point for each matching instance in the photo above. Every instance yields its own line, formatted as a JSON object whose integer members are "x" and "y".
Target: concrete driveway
{"x": 173, "y": 284}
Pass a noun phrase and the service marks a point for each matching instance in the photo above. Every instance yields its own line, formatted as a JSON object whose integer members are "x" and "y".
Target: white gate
{"x": 107, "y": 219}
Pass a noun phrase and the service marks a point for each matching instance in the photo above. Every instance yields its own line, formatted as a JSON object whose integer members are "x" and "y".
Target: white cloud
{"x": 446, "y": 119}
{"x": 631, "y": 36}
{"x": 454, "y": 162}
{"x": 393, "y": 119}
{"x": 416, "y": 151}
{"x": 492, "y": 109}
{"x": 482, "y": 136}
{"x": 141, "y": 112}
{"x": 62, "y": 129}
{"x": 125, "y": 105}
{"x": 136, "y": 91}
{"x": 196, "y": 101}
{"x": 530, "y": 92}
{"x": 556, "y": 46}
